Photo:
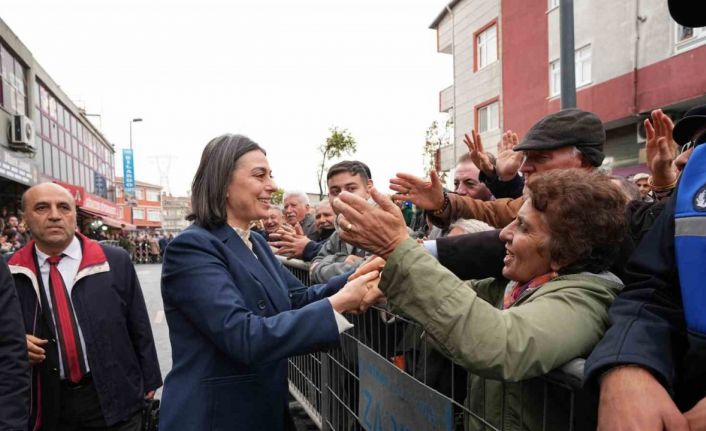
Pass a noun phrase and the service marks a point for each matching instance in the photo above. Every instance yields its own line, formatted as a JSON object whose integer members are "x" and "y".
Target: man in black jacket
{"x": 88, "y": 334}
{"x": 14, "y": 369}
{"x": 650, "y": 363}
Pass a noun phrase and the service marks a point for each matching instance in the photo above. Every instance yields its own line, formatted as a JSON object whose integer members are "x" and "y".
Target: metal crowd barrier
{"x": 327, "y": 384}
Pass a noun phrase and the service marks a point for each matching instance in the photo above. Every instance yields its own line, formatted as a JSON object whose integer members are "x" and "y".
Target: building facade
{"x": 145, "y": 211}
{"x": 174, "y": 212}
{"x": 44, "y": 136}
{"x": 630, "y": 58}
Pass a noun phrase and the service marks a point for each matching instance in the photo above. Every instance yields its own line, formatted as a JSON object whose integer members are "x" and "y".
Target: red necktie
{"x": 66, "y": 326}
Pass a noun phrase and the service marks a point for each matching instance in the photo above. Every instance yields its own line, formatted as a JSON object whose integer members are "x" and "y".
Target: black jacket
{"x": 111, "y": 311}
{"x": 647, "y": 321}
{"x": 14, "y": 365}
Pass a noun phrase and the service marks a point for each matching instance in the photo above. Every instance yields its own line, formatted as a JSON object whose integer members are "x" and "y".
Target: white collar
{"x": 244, "y": 235}
{"x": 73, "y": 251}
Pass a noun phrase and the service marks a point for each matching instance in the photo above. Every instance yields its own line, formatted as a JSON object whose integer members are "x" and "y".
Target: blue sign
{"x": 391, "y": 400}
{"x": 100, "y": 187}
{"x": 128, "y": 173}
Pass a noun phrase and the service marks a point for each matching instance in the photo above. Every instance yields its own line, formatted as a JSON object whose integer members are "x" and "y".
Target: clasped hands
{"x": 362, "y": 290}
{"x": 289, "y": 241}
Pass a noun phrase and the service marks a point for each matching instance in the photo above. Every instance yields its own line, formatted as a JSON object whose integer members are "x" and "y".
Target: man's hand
{"x": 374, "y": 296}
{"x": 378, "y": 230}
{"x": 36, "y": 354}
{"x": 150, "y": 395}
{"x": 478, "y": 155}
{"x": 373, "y": 263}
{"x": 289, "y": 244}
{"x": 428, "y": 195}
{"x": 660, "y": 148}
{"x": 349, "y": 298}
{"x": 508, "y": 161}
{"x": 352, "y": 259}
{"x": 697, "y": 416}
{"x": 633, "y": 400}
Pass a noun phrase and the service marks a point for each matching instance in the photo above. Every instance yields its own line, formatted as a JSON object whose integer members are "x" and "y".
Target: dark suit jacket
{"x": 232, "y": 327}
{"x": 111, "y": 311}
{"x": 14, "y": 365}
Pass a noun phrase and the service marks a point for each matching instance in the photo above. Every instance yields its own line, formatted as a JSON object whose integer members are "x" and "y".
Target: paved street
{"x": 149, "y": 280}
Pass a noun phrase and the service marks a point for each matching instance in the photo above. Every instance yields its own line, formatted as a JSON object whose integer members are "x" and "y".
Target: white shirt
{"x": 68, "y": 268}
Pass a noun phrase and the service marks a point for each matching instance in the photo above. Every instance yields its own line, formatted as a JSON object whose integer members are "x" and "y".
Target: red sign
{"x": 92, "y": 203}
{"x": 77, "y": 192}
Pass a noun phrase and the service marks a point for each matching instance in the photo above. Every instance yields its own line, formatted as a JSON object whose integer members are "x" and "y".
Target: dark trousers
{"x": 81, "y": 410}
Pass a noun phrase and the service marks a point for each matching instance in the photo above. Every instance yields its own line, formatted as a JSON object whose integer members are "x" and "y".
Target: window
{"x": 487, "y": 46}
{"x": 687, "y": 37}
{"x": 582, "y": 59}
{"x": 118, "y": 192}
{"x": 554, "y": 78}
{"x": 582, "y": 66}
{"x": 13, "y": 88}
{"x": 154, "y": 215}
{"x": 553, "y": 4}
{"x": 138, "y": 213}
{"x": 139, "y": 193}
{"x": 153, "y": 195}
{"x": 488, "y": 117}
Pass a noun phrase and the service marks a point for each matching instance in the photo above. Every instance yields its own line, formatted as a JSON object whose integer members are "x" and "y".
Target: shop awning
{"x": 112, "y": 222}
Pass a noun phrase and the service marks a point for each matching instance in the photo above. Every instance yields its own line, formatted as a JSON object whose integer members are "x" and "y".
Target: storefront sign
{"x": 99, "y": 205}
{"x": 128, "y": 173}
{"x": 20, "y": 169}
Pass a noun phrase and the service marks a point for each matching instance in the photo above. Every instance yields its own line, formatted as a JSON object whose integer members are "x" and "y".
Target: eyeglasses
{"x": 688, "y": 146}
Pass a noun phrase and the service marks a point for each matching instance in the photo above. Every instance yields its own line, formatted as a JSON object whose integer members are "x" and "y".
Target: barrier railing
{"x": 387, "y": 356}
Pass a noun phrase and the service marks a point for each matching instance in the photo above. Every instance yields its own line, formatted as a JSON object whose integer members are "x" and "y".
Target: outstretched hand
{"x": 378, "y": 230}
{"x": 660, "y": 148}
{"x": 478, "y": 155}
{"x": 426, "y": 194}
{"x": 508, "y": 161}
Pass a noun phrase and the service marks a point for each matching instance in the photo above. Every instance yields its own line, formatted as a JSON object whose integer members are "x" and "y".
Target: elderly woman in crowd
{"x": 234, "y": 312}
{"x": 552, "y": 310}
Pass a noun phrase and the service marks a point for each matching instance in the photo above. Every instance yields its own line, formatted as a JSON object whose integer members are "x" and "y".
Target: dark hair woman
{"x": 234, "y": 312}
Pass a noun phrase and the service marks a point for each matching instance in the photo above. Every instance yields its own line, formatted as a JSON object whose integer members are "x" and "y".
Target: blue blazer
{"x": 234, "y": 317}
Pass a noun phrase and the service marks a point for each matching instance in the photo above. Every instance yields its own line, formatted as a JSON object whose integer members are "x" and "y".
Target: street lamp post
{"x": 132, "y": 198}
{"x": 134, "y": 120}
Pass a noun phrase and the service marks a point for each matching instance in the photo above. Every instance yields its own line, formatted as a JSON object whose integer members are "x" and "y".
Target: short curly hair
{"x": 585, "y": 215}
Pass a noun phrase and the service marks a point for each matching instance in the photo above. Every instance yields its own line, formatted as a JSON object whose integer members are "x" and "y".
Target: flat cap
{"x": 691, "y": 122}
{"x": 568, "y": 128}
{"x": 687, "y": 12}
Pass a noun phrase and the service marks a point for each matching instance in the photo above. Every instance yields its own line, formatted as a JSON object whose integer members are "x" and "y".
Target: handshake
{"x": 362, "y": 289}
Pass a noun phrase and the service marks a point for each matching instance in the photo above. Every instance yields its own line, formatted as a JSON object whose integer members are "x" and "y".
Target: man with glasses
{"x": 650, "y": 364}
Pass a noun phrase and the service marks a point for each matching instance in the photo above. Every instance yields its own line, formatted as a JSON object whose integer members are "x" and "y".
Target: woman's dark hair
{"x": 585, "y": 215}
{"x": 208, "y": 190}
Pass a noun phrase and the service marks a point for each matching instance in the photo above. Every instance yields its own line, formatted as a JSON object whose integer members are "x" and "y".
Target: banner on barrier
{"x": 390, "y": 400}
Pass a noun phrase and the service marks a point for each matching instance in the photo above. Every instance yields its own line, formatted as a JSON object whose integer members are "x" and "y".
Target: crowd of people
{"x": 536, "y": 257}
{"x": 13, "y": 232}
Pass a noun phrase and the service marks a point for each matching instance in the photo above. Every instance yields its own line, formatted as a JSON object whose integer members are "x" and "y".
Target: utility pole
{"x": 567, "y": 65}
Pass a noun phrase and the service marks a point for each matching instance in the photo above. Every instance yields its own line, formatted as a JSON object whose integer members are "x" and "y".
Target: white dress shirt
{"x": 68, "y": 268}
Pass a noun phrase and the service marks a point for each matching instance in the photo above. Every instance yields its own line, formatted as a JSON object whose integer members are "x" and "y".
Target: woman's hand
{"x": 350, "y": 297}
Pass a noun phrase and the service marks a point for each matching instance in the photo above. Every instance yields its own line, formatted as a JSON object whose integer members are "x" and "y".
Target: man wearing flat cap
{"x": 570, "y": 138}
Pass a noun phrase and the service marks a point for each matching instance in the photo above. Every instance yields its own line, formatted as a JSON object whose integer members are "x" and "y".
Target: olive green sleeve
{"x": 514, "y": 344}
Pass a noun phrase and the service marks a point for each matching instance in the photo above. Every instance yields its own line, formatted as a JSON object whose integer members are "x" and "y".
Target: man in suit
{"x": 89, "y": 339}
{"x": 14, "y": 369}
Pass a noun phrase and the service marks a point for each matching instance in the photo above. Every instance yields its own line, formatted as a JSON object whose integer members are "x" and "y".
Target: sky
{"x": 281, "y": 72}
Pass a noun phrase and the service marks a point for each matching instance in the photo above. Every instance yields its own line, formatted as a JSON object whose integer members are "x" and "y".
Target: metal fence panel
{"x": 327, "y": 383}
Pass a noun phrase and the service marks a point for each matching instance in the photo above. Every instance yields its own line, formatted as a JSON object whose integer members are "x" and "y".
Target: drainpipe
{"x": 453, "y": 54}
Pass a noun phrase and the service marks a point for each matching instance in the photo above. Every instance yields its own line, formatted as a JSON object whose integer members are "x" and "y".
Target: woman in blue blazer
{"x": 234, "y": 312}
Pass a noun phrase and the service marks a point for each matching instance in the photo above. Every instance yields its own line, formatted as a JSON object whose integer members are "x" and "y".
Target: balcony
{"x": 446, "y": 99}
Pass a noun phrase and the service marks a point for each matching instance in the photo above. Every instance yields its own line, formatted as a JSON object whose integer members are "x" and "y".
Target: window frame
{"x": 477, "y": 47}
{"x": 486, "y": 106}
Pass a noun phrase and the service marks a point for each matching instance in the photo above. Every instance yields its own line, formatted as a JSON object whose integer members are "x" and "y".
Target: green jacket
{"x": 504, "y": 350}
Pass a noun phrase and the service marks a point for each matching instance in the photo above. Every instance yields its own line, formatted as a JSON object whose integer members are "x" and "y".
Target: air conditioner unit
{"x": 22, "y": 134}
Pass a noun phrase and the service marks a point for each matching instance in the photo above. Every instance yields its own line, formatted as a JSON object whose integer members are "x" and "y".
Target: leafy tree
{"x": 339, "y": 142}
{"x": 436, "y": 138}
{"x": 277, "y": 196}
